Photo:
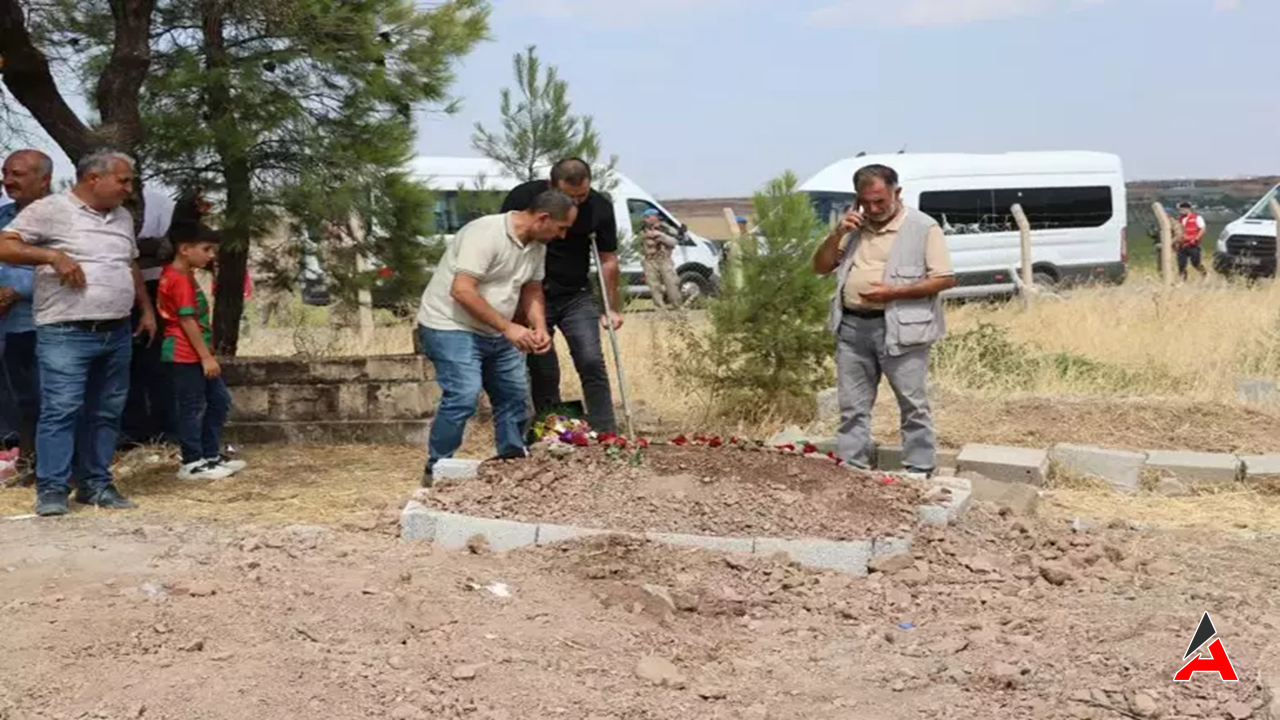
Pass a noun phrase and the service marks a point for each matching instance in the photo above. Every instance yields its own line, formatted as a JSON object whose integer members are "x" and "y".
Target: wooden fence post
{"x": 1166, "y": 242}
{"x": 733, "y": 269}
{"x": 364, "y": 298}
{"x": 1024, "y": 233}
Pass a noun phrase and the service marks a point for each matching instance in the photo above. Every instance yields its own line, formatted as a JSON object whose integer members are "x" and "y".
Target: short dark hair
{"x": 866, "y": 174}
{"x": 1186, "y": 205}
{"x": 553, "y": 202}
{"x": 200, "y": 234}
{"x": 573, "y": 171}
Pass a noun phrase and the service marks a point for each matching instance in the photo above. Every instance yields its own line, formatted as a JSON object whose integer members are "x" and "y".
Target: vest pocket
{"x": 907, "y": 274}
{"x": 915, "y": 323}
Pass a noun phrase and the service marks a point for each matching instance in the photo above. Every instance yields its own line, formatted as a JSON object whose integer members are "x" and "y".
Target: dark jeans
{"x": 465, "y": 364}
{"x": 84, "y": 381}
{"x": 201, "y": 405}
{"x": 1189, "y": 254}
{"x": 577, "y": 316}
{"x": 22, "y": 374}
{"x": 148, "y": 414}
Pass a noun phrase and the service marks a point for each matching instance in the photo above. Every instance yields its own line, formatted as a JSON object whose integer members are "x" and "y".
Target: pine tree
{"x": 540, "y": 128}
{"x": 768, "y": 347}
{"x": 258, "y": 98}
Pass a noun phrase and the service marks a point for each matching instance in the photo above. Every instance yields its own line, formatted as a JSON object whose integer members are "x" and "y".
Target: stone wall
{"x": 386, "y": 399}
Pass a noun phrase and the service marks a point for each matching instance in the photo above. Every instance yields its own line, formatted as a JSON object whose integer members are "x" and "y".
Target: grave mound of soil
{"x": 694, "y": 490}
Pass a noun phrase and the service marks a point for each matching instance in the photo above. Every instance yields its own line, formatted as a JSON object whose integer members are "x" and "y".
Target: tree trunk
{"x": 233, "y": 255}
{"x": 28, "y": 79}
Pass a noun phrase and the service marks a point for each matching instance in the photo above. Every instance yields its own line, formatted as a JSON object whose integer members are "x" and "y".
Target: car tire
{"x": 695, "y": 286}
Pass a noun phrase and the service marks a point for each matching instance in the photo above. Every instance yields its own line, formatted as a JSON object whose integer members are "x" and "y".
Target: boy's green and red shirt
{"x": 179, "y": 296}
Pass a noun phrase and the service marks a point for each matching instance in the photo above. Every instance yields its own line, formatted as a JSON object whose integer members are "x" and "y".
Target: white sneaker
{"x": 203, "y": 470}
{"x": 234, "y": 466}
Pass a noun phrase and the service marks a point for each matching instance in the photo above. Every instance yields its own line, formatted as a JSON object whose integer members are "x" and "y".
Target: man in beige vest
{"x": 891, "y": 263}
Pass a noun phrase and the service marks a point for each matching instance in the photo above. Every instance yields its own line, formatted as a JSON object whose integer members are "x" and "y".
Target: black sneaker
{"x": 108, "y": 498}
{"x": 51, "y": 503}
{"x": 427, "y": 479}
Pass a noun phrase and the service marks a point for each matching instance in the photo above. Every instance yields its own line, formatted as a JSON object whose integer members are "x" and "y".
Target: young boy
{"x": 200, "y": 395}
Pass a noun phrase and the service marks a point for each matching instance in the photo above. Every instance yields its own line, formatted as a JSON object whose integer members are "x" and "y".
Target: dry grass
{"x": 1138, "y": 366}
{"x": 1237, "y": 509}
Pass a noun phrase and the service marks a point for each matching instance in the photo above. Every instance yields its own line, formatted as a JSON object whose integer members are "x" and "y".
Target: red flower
{"x": 606, "y": 438}
{"x": 734, "y": 440}
{"x": 579, "y": 438}
{"x": 787, "y": 448}
{"x": 680, "y": 441}
{"x": 643, "y": 442}
{"x": 810, "y": 448}
{"x": 384, "y": 272}
{"x": 715, "y": 442}
{"x": 888, "y": 480}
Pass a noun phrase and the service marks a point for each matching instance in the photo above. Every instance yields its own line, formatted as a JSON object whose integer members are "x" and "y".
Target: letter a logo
{"x": 1217, "y": 662}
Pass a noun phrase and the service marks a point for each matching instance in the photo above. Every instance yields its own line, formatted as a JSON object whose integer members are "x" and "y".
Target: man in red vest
{"x": 1192, "y": 233}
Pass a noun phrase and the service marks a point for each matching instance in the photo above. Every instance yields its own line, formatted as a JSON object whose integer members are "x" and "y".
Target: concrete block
{"x": 552, "y": 534}
{"x": 705, "y": 542}
{"x": 1259, "y": 466}
{"x": 1006, "y": 464}
{"x": 250, "y": 402}
{"x": 889, "y": 458}
{"x": 338, "y": 432}
{"x": 407, "y": 401}
{"x": 417, "y": 522}
{"x": 453, "y": 531}
{"x": 848, "y": 557}
{"x": 945, "y": 512}
{"x": 1196, "y": 467}
{"x": 455, "y": 469}
{"x": 305, "y": 402}
{"x": 1121, "y": 468}
{"x": 397, "y": 368}
{"x": 1021, "y": 499}
{"x": 887, "y": 546}
{"x": 825, "y": 445}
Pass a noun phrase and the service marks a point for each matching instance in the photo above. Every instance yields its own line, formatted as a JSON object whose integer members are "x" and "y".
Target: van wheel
{"x": 695, "y": 286}
{"x": 1044, "y": 280}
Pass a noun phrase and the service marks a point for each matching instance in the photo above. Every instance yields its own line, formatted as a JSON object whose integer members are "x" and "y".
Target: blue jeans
{"x": 577, "y": 316}
{"x": 465, "y": 364}
{"x": 23, "y": 378}
{"x": 84, "y": 382}
{"x": 201, "y": 405}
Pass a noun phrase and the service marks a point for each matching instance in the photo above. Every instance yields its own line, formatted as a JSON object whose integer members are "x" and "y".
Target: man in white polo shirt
{"x": 490, "y": 274}
{"x": 87, "y": 282}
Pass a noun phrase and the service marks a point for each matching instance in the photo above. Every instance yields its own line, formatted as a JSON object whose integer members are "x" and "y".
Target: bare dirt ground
{"x": 722, "y": 491}
{"x": 132, "y": 616}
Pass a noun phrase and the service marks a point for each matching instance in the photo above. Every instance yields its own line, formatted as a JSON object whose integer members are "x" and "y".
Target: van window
{"x": 825, "y": 203}
{"x": 455, "y": 209}
{"x": 962, "y": 212}
{"x": 637, "y": 208}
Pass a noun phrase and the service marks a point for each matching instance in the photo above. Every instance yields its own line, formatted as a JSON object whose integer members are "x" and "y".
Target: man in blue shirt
{"x": 27, "y": 177}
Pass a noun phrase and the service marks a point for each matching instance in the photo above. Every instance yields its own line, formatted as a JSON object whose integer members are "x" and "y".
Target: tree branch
{"x": 27, "y": 77}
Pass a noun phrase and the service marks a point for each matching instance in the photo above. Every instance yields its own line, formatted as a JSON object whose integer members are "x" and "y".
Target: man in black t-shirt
{"x": 571, "y": 306}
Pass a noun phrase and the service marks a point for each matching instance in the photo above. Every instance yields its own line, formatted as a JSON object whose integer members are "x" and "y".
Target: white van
{"x": 1075, "y": 202}
{"x": 697, "y": 260}
{"x": 1247, "y": 246}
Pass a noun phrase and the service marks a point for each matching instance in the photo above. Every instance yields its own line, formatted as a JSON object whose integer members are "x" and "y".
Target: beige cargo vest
{"x": 909, "y": 324}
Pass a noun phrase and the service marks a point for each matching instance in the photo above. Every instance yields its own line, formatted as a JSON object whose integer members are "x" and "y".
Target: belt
{"x": 95, "y": 325}
{"x": 865, "y": 314}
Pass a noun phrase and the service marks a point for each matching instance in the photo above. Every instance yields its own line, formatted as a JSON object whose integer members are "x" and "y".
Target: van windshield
{"x": 1262, "y": 211}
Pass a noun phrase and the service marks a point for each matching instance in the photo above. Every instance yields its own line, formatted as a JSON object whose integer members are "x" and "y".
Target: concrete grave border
{"x": 950, "y": 499}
